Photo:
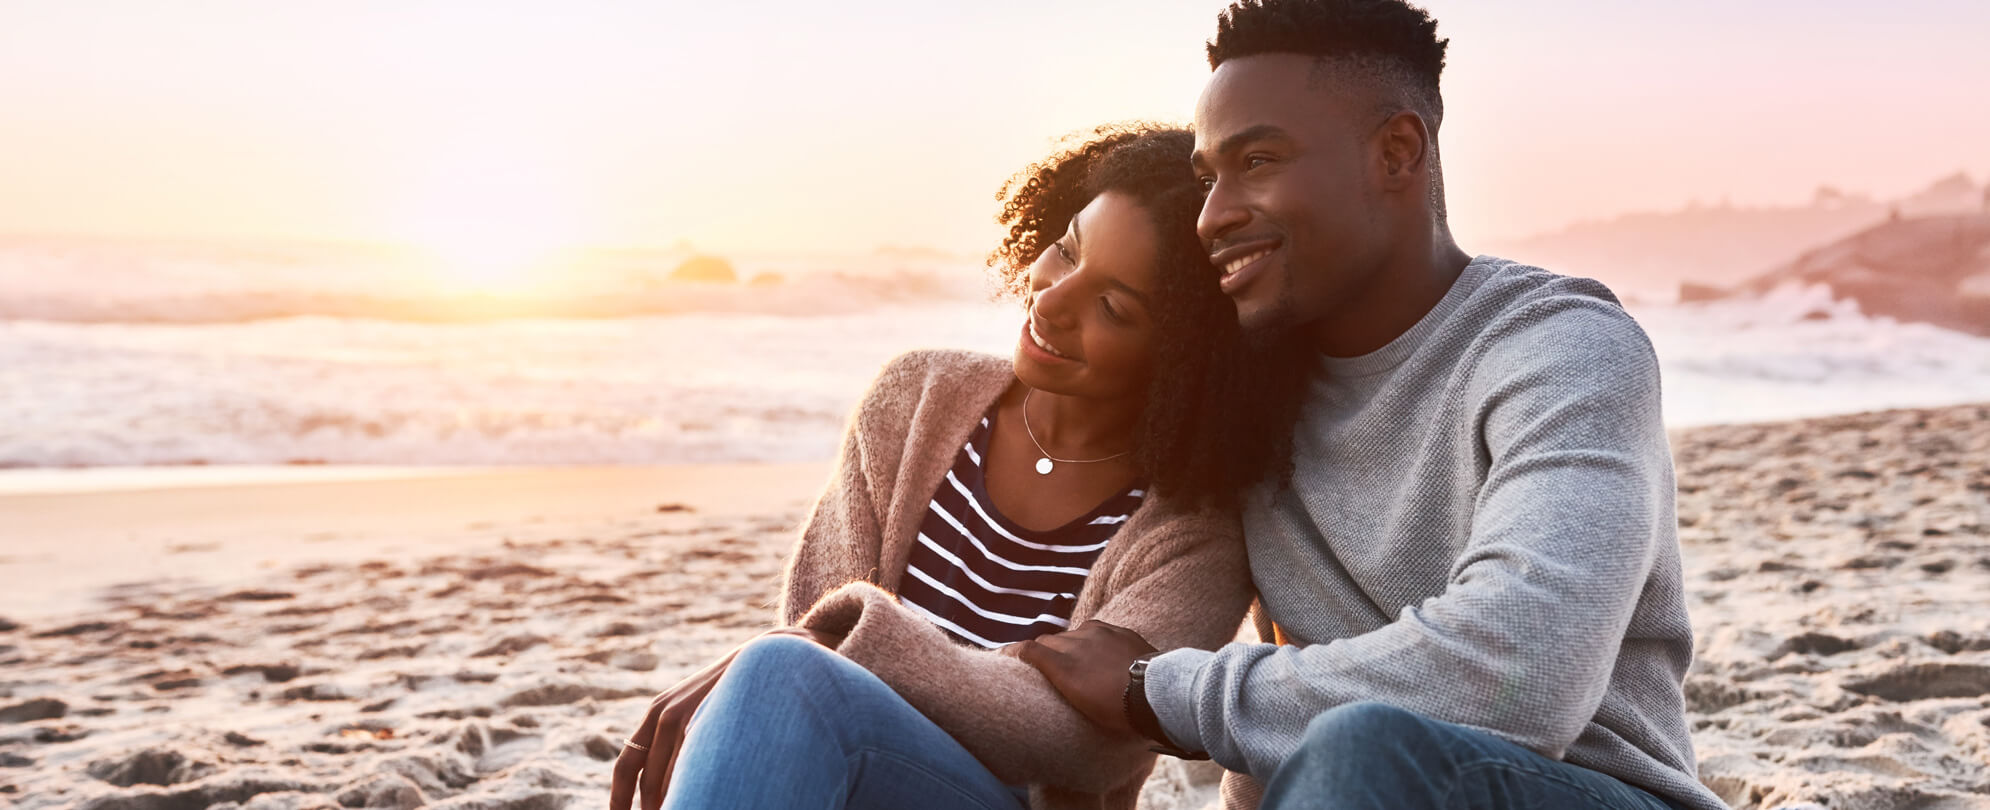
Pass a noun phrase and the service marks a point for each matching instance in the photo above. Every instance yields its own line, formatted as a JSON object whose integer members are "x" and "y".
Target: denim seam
{"x": 1490, "y": 764}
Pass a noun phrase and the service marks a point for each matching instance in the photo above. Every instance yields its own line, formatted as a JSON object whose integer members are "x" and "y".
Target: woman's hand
{"x": 664, "y": 724}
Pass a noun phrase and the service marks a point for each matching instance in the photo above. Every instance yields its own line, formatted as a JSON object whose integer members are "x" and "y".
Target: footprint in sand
{"x": 1925, "y": 680}
{"x": 152, "y": 766}
{"x": 1813, "y": 644}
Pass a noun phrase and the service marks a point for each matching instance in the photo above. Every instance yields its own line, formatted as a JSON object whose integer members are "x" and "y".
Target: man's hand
{"x": 664, "y": 725}
{"x": 1088, "y": 665}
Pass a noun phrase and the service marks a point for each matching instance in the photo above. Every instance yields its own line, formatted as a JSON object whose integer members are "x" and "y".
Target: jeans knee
{"x": 782, "y": 657}
{"x": 1361, "y": 724}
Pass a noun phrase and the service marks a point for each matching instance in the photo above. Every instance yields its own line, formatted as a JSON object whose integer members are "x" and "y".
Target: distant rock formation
{"x": 708, "y": 269}
{"x": 1933, "y": 269}
{"x": 764, "y": 280}
{"x": 1718, "y": 245}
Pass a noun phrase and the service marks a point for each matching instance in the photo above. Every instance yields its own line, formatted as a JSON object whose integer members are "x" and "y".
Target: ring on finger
{"x": 636, "y": 745}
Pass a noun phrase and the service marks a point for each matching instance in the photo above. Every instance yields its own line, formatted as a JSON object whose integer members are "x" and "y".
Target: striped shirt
{"x": 989, "y": 582}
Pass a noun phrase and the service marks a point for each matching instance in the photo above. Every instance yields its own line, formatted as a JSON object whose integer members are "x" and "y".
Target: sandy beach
{"x": 484, "y": 638}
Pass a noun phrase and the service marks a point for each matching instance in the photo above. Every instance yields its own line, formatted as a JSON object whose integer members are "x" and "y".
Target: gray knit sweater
{"x": 1480, "y": 529}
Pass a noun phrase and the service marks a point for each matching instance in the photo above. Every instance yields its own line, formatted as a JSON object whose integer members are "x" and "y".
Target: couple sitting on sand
{"x": 1253, "y": 363}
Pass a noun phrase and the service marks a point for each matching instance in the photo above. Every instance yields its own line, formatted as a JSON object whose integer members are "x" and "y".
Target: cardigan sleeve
{"x": 842, "y": 540}
{"x": 1182, "y": 587}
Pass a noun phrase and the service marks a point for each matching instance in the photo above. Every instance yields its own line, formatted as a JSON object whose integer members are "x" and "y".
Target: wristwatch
{"x": 1140, "y": 714}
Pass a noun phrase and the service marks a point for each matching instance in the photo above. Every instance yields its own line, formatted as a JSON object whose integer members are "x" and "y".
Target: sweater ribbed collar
{"x": 1406, "y": 344}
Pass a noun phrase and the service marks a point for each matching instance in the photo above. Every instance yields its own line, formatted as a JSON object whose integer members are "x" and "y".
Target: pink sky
{"x": 802, "y": 126}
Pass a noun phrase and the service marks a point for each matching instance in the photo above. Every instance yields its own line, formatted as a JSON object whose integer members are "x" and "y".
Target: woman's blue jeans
{"x": 792, "y": 724}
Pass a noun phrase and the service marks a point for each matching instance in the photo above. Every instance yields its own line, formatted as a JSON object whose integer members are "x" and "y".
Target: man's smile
{"x": 1240, "y": 264}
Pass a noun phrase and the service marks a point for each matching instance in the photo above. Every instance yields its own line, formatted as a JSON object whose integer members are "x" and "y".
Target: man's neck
{"x": 1398, "y": 295}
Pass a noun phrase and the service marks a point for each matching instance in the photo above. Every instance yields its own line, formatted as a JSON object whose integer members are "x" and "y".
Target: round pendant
{"x": 1043, "y": 466}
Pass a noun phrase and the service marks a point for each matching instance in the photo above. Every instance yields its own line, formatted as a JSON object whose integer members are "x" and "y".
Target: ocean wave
{"x": 1801, "y": 352}
{"x": 725, "y": 387}
{"x": 690, "y": 388}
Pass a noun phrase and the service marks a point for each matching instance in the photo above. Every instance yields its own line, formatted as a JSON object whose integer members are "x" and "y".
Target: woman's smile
{"x": 1036, "y": 339}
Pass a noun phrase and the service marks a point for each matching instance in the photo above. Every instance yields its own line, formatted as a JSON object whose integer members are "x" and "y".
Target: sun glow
{"x": 485, "y": 253}
{"x": 491, "y": 225}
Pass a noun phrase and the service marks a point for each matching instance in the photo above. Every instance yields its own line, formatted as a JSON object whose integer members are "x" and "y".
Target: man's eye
{"x": 1206, "y": 183}
{"x": 1255, "y": 161}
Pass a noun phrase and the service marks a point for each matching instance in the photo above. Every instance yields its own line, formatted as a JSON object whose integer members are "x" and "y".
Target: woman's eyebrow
{"x": 1137, "y": 295}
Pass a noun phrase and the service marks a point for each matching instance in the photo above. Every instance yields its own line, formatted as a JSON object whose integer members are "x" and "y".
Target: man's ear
{"x": 1404, "y": 146}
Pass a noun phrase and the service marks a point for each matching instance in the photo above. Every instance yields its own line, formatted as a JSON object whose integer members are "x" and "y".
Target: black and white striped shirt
{"x": 989, "y": 582}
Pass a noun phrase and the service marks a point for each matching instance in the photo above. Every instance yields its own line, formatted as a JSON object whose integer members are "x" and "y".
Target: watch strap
{"x": 1140, "y": 714}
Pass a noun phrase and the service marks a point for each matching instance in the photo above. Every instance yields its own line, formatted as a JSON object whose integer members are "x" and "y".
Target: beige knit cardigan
{"x": 1176, "y": 576}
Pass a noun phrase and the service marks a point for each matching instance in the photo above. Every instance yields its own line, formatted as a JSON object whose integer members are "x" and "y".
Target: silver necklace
{"x": 1043, "y": 463}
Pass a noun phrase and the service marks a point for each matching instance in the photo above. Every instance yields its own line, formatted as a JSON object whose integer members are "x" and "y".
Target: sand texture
{"x": 1839, "y": 576}
{"x": 1839, "y": 579}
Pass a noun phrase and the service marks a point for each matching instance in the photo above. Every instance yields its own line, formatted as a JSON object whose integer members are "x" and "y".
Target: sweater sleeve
{"x": 842, "y": 540}
{"x": 1181, "y": 587}
{"x": 1521, "y": 642}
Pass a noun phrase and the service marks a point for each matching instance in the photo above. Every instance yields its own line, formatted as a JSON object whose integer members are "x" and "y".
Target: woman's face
{"x": 1090, "y": 329}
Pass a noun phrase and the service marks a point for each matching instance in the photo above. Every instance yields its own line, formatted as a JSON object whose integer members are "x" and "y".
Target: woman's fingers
{"x": 670, "y": 766}
{"x": 674, "y": 725}
{"x": 645, "y": 774}
{"x": 628, "y": 767}
{"x": 671, "y": 724}
{"x": 662, "y": 745}
{"x": 629, "y": 764}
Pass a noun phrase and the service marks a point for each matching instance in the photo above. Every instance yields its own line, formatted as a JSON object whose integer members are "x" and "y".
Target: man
{"x": 1474, "y": 571}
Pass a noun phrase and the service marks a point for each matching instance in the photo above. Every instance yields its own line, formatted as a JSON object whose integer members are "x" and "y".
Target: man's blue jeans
{"x": 793, "y": 724}
{"x": 1371, "y": 756}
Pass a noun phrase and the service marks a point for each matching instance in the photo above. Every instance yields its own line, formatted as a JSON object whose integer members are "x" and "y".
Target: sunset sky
{"x": 515, "y": 126}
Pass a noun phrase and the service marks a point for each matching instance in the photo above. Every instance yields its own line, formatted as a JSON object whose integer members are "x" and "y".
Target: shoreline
{"x": 229, "y": 530}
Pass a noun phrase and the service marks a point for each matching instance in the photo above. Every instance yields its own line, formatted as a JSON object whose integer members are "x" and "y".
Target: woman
{"x": 981, "y": 501}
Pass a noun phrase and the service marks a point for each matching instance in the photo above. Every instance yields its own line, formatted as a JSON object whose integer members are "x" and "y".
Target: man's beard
{"x": 1277, "y": 328}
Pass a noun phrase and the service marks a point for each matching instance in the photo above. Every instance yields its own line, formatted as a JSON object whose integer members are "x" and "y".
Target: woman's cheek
{"x": 1130, "y": 364}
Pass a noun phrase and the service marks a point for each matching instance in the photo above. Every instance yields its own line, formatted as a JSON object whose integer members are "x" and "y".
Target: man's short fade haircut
{"x": 1389, "y": 41}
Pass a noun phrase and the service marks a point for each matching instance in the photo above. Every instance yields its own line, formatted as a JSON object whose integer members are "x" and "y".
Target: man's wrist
{"x": 1140, "y": 714}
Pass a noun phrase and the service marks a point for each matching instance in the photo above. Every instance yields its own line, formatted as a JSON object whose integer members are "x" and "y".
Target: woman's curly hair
{"x": 1220, "y": 418}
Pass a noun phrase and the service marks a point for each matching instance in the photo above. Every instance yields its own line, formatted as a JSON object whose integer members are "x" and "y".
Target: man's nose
{"x": 1222, "y": 214}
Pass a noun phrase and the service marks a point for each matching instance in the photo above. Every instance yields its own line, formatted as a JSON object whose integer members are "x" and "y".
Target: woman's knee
{"x": 783, "y": 657}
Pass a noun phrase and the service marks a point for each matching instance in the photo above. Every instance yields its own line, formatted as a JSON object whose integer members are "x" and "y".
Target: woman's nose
{"x": 1053, "y": 302}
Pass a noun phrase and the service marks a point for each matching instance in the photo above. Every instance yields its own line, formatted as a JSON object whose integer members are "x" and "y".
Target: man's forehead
{"x": 1256, "y": 92}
